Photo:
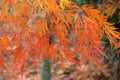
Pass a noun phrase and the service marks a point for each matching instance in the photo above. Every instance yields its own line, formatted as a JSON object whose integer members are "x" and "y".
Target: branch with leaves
{"x": 42, "y": 28}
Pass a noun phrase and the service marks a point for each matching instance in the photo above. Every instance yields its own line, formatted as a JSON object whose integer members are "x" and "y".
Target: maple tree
{"x": 53, "y": 29}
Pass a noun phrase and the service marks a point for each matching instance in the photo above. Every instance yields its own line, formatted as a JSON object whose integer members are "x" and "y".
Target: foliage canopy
{"x": 54, "y": 28}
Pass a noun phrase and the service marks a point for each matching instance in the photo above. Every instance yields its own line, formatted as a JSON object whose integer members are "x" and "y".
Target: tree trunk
{"x": 45, "y": 70}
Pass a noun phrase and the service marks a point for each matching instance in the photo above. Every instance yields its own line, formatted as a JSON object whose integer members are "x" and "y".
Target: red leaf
{"x": 19, "y": 58}
{"x": 1, "y": 62}
{"x": 70, "y": 57}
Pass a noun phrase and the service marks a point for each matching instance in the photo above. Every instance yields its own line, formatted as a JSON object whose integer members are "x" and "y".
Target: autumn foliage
{"x": 53, "y": 29}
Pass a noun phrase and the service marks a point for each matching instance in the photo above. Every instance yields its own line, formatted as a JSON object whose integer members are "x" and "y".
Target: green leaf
{"x": 31, "y": 1}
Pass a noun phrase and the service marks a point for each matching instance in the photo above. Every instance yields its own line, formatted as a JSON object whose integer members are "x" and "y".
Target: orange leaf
{"x": 70, "y": 57}
{"x": 4, "y": 43}
{"x": 19, "y": 58}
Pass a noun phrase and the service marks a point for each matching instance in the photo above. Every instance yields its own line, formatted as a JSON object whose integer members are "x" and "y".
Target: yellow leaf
{"x": 62, "y": 2}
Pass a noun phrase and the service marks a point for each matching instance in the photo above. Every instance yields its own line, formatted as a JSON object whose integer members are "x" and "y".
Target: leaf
{"x": 112, "y": 34}
{"x": 31, "y": 1}
{"x": 70, "y": 57}
{"x": 19, "y": 58}
{"x": 2, "y": 66}
{"x": 52, "y": 53}
{"x": 40, "y": 44}
{"x": 11, "y": 2}
{"x": 61, "y": 61}
{"x": 63, "y": 3}
{"x": 109, "y": 7}
{"x": 4, "y": 44}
